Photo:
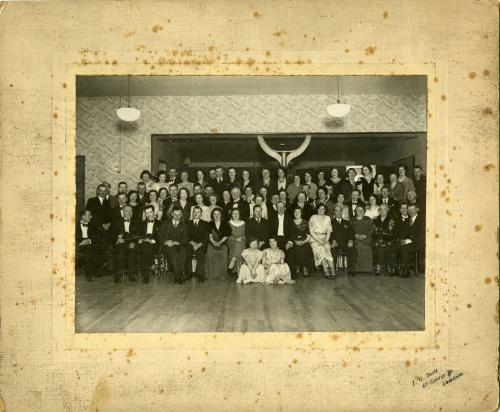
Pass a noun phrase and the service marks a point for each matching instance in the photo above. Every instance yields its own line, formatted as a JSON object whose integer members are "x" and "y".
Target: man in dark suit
{"x": 419, "y": 181}
{"x": 87, "y": 245}
{"x": 101, "y": 213}
{"x": 412, "y": 199}
{"x": 267, "y": 182}
{"x": 354, "y": 203}
{"x": 117, "y": 212}
{"x": 257, "y": 227}
{"x": 401, "y": 216}
{"x": 125, "y": 236}
{"x": 147, "y": 245}
{"x": 412, "y": 240}
{"x": 386, "y": 200}
{"x": 342, "y": 240}
{"x": 174, "y": 236}
{"x": 113, "y": 200}
{"x": 240, "y": 204}
{"x": 279, "y": 226}
{"x": 142, "y": 195}
{"x": 220, "y": 184}
{"x": 100, "y": 208}
{"x": 173, "y": 179}
{"x": 197, "y": 245}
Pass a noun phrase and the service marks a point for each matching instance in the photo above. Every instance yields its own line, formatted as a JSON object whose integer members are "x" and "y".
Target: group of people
{"x": 265, "y": 230}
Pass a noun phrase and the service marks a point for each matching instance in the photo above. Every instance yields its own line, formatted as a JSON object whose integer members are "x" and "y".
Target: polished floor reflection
{"x": 359, "y": 303}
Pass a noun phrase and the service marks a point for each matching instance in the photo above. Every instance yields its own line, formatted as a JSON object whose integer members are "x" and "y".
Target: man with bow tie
{"x": 174, "y": 236}
{"x": 342, "y": 240}
{"x": 172, "y": 176}
{"x": 87, "y": 245}
{"x": 148, "y": 242}
{"x": 197, "y": 246}
{"x": 240, "y": 204}
{"x": 125, "y": 234}
{"x": 354, "y": 203}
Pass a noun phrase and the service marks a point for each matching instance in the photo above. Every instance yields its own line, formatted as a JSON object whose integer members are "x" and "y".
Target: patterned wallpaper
{"x": 98, "y": 128}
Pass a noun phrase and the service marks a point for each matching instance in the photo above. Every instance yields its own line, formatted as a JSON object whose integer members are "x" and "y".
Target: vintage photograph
{"x": 250, "y": 203}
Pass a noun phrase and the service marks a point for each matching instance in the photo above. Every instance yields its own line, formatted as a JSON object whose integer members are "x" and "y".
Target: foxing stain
{"x": 370, "y": 50}
{"x": 157, "y": 28}
{"x": 472, "y": 75}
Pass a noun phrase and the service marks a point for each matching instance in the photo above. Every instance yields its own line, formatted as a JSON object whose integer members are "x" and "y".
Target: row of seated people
{"x": 217, "y": 246}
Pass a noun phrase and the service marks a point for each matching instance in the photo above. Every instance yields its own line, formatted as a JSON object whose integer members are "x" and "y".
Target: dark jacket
{"x": 415, "y": 232}
{"x": 242, "y": 206}
{"x": 273, "y": 226}
{"x": 118, "y": 228}
{"x": 101, "y": 213}
{"x": 169, "y": 232}
{"x": 143, "y": 227}
{"x": 258, "y": 230}
{"x": 199, "y": 233}
{"x": 341, "y": 232}
{"x": 349, "y": 205}
{"x": 92, "y": 232}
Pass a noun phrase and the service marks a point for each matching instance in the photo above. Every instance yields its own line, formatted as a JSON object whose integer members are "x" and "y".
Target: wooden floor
{"x": 359, "y": 303}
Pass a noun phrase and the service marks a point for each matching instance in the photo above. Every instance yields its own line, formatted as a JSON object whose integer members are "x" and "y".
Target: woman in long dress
{"x": 320, "y": 229}
{"x": 363, "y": 230}
{"x": 252, "y": 270}
{"x": 236, "y": 241}
{"x": 217, "y": 252}
{"x": 366, "y": 183}
{"x": 300, "y": 255}
{"x": 277, "y": 271}
{"x": 405, "y": 181}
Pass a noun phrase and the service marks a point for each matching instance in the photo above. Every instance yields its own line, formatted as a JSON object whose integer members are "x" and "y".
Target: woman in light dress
{"x": 372, "y": 209}
{"x": 252, "y": 270}
{"x": 320, "y": 229}
{"x": 277, "y": 271}
{"x": 205, "y": 210}
{"x": 236, "y": 241}
{"x": 162, "y": 181}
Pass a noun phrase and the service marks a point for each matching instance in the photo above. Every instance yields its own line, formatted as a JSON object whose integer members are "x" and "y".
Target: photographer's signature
{"x": 436, "y": 377}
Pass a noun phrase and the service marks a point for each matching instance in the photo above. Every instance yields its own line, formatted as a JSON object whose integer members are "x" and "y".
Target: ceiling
{"x": 94, "y": 86}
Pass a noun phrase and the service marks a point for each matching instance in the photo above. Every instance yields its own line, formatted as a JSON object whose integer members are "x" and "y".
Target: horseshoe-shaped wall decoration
{"x": 284, "y": 157}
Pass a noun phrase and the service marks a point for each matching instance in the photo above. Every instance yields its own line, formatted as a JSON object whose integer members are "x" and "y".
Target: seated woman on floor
{"x": 252, "y": 270}
{"x": 277, "y": 271}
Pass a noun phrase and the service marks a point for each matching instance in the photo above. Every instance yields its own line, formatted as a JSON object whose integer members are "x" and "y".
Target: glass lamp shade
{"x": 338, "y": 109}
{"x": 128, "y": 114}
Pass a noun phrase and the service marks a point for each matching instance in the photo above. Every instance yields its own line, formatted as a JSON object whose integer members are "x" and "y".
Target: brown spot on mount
{"x": 486, "y": 72}
{"x": 256, "y": 14}
{"x": 488, "y": 167}
{"x": 472, "y": 75}
{"x": 487, "y": 111}
{"x": 385, "y": 14}
{"x": 370, "y": 51}
{"x": 279, "y": 33}
{"x": 157, "y": 28}
{"x": 478, "y": 228}
{"x": 443, "y": 97}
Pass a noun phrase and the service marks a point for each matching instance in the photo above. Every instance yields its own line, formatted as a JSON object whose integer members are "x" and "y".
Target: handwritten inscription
{"x": 436, "y": 377}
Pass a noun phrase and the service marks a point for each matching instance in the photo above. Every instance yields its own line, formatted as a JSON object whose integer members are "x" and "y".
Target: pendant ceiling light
{"x": 128, "y": 114}
{"x": 341, "y": 108}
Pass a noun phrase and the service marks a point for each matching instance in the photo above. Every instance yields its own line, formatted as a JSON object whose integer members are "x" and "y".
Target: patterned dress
{"x": 252, "y": 258}
{"x": 319, "y": 225}
{"x": 277, "y": 271}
